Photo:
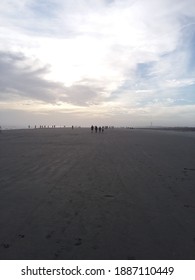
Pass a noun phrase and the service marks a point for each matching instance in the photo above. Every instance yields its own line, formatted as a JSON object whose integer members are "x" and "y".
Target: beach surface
{"x": 73, "y": 194}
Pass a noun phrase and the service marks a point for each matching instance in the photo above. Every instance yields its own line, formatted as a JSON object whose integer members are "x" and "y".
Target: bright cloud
{"x": 117, "y": 61}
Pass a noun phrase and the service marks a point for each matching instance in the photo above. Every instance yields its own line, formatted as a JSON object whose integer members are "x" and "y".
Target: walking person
{"x": 96, "y": 128}
{"x": 92, "y": 127}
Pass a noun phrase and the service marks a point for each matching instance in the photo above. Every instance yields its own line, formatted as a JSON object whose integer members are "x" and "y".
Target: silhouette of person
{"x": 96, "y": 129}
{"x": 92, "y": 127}
{"x": 100, "y": 129}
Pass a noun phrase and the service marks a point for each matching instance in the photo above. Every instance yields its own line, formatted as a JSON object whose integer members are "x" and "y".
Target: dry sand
{"x": 71, "y": 194}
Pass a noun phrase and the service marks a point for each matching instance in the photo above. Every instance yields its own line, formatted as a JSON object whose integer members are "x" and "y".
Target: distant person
{"x": 96, "y": 128}
{"x": 72, "y": 127}
{"x": 92, "y": 128}
{"x": 100, "y": 129}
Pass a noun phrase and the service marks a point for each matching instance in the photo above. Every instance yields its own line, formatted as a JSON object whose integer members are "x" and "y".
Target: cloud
{"x": 19, "y": 80}
{"x": 102, "y": 55}
{"x": 83, "y": 95}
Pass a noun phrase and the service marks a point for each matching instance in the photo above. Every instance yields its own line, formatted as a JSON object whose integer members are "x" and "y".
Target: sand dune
{"x": 73, "y": 194}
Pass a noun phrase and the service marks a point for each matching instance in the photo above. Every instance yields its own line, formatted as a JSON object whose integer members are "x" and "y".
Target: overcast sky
{"x": 83, "y": 62}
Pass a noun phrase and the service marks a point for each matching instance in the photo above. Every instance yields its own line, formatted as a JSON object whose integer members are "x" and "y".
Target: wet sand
{"x": 71, "y": 194}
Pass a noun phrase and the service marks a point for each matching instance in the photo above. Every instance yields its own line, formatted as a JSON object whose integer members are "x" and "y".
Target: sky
{"x": 104, "y": 62}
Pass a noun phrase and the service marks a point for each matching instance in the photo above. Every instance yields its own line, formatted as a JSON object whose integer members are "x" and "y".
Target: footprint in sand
{"x": 109, "y": 195}
{"x": 186, "y": 205}
{"x": 78, "y": 242}
{"x": 21, "y": 235}
{"x": 6, "y": 245}
{"x": 49, "y": 235}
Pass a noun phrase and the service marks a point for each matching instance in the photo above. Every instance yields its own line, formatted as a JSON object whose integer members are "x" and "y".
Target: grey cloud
{"x": 21, "y": 81}
{"x": 83, "y": 95}
{"x": 18, "y": 81}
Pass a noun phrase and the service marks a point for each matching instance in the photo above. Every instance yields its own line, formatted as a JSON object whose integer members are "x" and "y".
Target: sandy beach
{"x": 73, "y": 194}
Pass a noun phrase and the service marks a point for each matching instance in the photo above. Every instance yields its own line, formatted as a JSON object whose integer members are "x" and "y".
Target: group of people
{"x": 96, "y": 129}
